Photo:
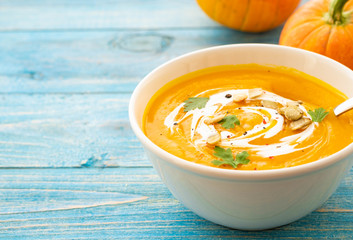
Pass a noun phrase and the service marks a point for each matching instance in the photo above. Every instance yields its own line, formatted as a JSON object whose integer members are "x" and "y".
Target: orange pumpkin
{"x": 249, "y": 16}
{"x": 322, "y": 26}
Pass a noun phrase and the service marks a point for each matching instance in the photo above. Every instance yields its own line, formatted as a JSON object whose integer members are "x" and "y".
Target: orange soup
{"x": 248, "y": 117}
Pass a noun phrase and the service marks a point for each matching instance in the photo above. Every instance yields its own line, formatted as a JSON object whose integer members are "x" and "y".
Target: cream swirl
{"x": 272, "y": 124}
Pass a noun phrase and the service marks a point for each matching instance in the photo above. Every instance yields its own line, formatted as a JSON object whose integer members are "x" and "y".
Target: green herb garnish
{"x": 229, "y": 121}
{"x": 227, "y": 157}
{"x": 195, "y": 102}
{"x": 318, "y": 114}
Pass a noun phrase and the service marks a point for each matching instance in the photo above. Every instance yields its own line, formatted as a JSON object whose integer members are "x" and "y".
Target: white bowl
{"x": 248, "y": 200}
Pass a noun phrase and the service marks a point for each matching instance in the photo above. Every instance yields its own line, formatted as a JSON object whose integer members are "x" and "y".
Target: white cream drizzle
{"x": 267, "y": 129}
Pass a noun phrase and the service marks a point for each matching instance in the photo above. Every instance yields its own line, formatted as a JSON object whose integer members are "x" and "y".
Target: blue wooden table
{"x": 70, "y": 166}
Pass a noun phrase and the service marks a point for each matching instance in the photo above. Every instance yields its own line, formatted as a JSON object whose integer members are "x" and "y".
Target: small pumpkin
{"x": 249, "y": 16}
{"x": 324, "y": 27}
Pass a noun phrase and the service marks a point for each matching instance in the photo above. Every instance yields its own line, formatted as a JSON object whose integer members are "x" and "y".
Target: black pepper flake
{"x": 245, "y": 133}
{"x": 175, "y": 123}
{"x": 228, "y": 95}
{"x": 161, "y": 134}
{"x": 278, "y": 147}
{"x": 264, "y": 127}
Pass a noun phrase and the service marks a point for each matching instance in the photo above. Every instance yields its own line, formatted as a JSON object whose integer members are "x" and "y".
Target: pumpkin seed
{"x": 281, "y": 110}
{"x": 300, "y": 124}
{"x": 269, "y": 104}
{"x": 293, "y": 113}
{"x": 214, "y": 119}
{"x": 255, "y": 92}
{"x": 214, "y": 138}
{"x": 239, "y": 97}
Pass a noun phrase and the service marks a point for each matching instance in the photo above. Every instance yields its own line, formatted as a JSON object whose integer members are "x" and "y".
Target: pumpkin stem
{"x": 336, "y": 16}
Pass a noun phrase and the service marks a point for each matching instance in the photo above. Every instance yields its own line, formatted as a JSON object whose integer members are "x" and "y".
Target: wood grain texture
{"x": 158, "y": 216}
{"x": 100, "y": 61}
{"x": 56, "y": 130}
{"x": 119, "y": 14}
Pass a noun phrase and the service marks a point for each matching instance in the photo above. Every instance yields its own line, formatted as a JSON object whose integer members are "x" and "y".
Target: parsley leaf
{"x": 225, "y": 154}
{"x": 318, "y": 114}
{"x": 195, "y": 102}
{"x": 242, "y": 158}
{"x": 227, "y": 157}
{"x": 229, "y": 121}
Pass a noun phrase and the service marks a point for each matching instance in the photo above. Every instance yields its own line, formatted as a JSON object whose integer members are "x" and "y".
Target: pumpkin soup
{"x": 248, "y": 117}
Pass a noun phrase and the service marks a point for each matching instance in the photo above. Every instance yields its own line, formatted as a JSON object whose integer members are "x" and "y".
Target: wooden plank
{"x": 156, "y": 216}
{"x": 91, "y": 14}
{"x": 100, "y": 61}
{"x": 61, "y": 130}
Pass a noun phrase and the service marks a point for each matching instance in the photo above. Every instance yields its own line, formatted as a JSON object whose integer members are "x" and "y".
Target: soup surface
{"x": 248, "y": 117}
